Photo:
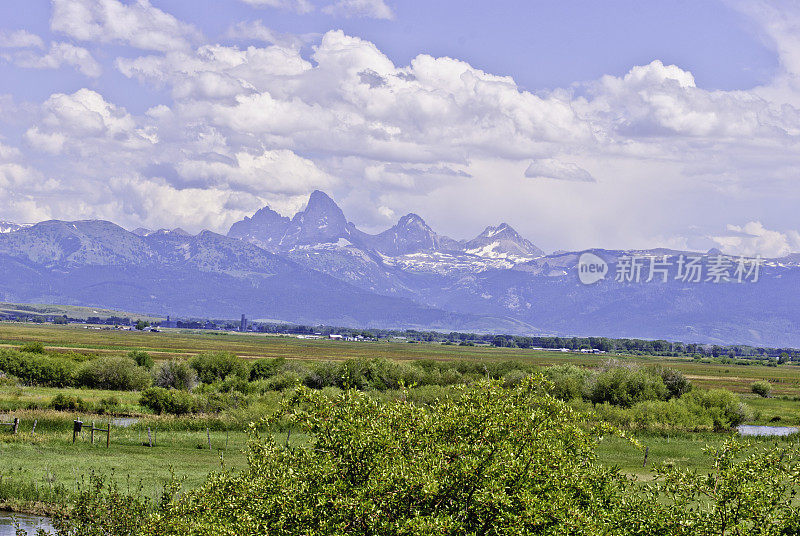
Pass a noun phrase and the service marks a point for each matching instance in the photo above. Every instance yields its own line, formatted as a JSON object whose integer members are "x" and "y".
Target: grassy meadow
{"x": 45, "y": 468}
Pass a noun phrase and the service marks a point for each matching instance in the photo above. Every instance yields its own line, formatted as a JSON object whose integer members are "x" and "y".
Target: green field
{"x": 47, "y": 467}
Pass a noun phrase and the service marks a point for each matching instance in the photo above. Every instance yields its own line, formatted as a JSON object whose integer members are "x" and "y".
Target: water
{"x": 26, "y": 522}
{"x": 124, "y": 422}
{"x": 747, "y": 430}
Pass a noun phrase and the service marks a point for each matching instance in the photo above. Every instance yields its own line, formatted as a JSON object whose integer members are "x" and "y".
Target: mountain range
{"x": 317, "y": 267}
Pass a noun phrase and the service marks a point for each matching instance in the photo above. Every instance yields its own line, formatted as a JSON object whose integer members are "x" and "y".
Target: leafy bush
{"x": 472, "y": 465}
{"x": 141, "y": 358}
{"x": 117, "y": 373}
{"x": 62, "y": 402}
{"x": 568, "y": 381}
{"x": 175, "y": 374}
{"x": 284, "y": 380}
{"x": 676, "y": 383}
{"x": 216, "y": 366}
{"x": 266, "y": 368}
{"x": 626, "y": 386}
{"x": 172, "y": 401}
{"x": 724, "y": 408}
{"x": 37, "y": 369}
{"x": 762, "y": 388}
{"x": 32, "y": 348}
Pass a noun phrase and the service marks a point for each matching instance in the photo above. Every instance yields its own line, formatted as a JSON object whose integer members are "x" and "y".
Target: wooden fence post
{"x": 149, "y": 437}
{"x": 33, "y": 432}
{"x": 92, "y": 432}
{"x": 15, "y": 426}
{"x": 108, "y": 435}
{"x": 208, "y": 434}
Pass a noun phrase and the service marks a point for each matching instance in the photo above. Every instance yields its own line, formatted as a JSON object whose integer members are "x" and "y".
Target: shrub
{"x": 283, "y": 381}
{"x": 399, "y": 468}
{"x": 676, "y": 383}
{"x": 724, "y": 408}
{"x": 117, "y": 373}
{"x": 513, "y": 378}
{"x": 110, "y": 404}
{"x": 32, "y": 348}
{"x": 624, "y": 386}
{"x": 568, "y": 381}
{"x": 172, "y": 401}
{"x": 215, "y": 366}
{"x": 37, "y": 369}
{"x": 266, "y": 368}
{"x": 175, "y": 374}
{"x": 62, "y": 402}
{"x": 141, "y": 358}
{"x": 762, "y": 388}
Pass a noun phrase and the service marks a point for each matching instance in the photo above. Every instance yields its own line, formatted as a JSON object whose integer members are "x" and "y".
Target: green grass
{"x": 48, "y": 468}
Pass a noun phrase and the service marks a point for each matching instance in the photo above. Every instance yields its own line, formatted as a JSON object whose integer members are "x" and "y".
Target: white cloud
{"x": 374, "y": 9}
{"x": 20, "y": 39}
{"x": 276, "y": 172}
{"x": 61, "y": 54}
{"x": 137, "y": 24}
{"x": 562, "y": 171}
{"x": 48, "y": 142}
{"x": 754, "y": 239}
{"x": 256, "y": 31}
{"x": 300, "y": 6}
{"x": 255, "y": 124}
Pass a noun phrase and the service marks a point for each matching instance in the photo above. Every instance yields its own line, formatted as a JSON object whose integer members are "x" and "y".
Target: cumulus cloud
{"x": 754, "y": 239}
{"x": 374, "y": 9}
{"x": 20, "y": 39}
{"x": 562, "y": 171}
{"x": 248, "y": 125}
{"x": 138, "y": 24}
{"x": 276, "y": 172}
{"x": 61, "y": 54}
{"x": 48, "y": 142}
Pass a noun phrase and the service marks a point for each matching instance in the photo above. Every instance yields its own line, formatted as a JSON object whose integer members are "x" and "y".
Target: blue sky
{"x": 613, "y": 124}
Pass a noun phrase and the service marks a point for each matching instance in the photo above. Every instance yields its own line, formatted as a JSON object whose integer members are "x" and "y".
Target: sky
{"x": 615, "y": 124}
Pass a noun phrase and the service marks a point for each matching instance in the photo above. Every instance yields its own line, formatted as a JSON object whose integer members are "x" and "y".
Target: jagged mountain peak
{"x": 502, "y": 241}
{"x": 321, "y": 222}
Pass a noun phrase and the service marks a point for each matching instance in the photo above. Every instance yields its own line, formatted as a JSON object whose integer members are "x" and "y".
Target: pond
{"x": 749, "y": 430}
{"x": 26, "y": 522}
{"x": 124, "y": 422}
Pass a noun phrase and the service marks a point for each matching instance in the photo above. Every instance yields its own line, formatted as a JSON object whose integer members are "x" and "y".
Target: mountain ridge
{"x": 317, "y": 267}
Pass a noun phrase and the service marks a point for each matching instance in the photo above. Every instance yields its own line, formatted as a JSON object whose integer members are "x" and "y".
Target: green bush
{"x": 32, "y": 348}
{"x": 216, "y": 366}
{"x": 674, "y": 380}
{"x": 724, "y": 408}
{"x": 568, "y": 381}
{"x": 62, "y": 402}
{"x": 762, "y": 388}
{"x": 172, "y": 401}
{"x": 624, "y": 386}
{"x": 283, "y": 381}
{"x": 266, "y": 368}
{"x": 141, "y": 358}
{"x": 115, "y": 373}
{"x": 37, "y": 369}
{"x": 175, "y": 374}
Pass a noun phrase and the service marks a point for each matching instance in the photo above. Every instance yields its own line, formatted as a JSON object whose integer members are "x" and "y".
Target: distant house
{"x": 335, "y": 337}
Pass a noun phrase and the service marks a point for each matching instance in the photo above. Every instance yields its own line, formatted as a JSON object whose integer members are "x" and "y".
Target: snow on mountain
{"x": 10, "y": 227}
{"x": 502, "y": 242}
